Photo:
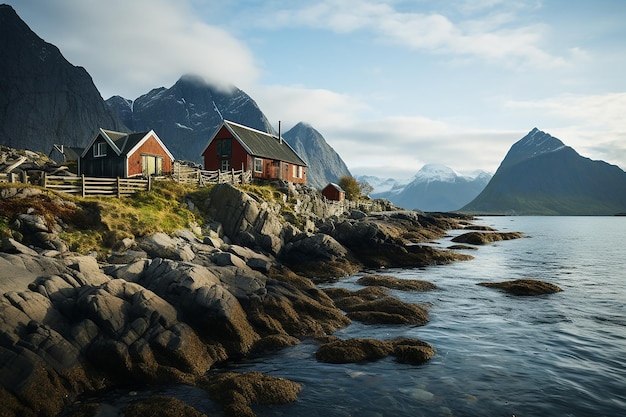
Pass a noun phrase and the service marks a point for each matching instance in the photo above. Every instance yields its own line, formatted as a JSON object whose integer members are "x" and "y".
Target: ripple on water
{"x": 561, "y": 354}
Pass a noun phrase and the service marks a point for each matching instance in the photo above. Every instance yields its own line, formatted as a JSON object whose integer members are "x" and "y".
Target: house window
{"x": 225, "y": 165}
{"x": 258, "y": 165}
{"x": 297, "y": 171}
{"x": 100, "y": 149}
{"x": 224, "y": 147}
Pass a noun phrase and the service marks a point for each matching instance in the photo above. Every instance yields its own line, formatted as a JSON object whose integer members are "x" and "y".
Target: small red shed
{"x": 116, "y": 154}
{"x": 334, "y": 192}
{"x": 234, "y": 146}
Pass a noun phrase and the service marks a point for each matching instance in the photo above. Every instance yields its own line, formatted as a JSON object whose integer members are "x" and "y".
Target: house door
{"x": 275, "y": 170}
{"x": 151, "y": 165}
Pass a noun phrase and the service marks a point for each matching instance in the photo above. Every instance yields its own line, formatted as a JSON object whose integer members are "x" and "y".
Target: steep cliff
{"x": 45, "y": 100}
{"x": 324, "y": 164}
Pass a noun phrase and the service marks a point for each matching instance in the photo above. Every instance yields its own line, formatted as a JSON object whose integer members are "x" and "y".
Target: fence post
{"x": 25, "y": 177}
{"x": 118, "y": 187}
{"x": 83, "y": 184}
{"x": 232, "y": 172}
{"x": 44, "y": 180}
{"x": 150, "y": 183}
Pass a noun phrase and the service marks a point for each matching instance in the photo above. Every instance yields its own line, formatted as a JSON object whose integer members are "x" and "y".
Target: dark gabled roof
{"x": 335, "y": 186}
{"x": 264, "y": 145}
{"x": 70, "y": 153}
{"x": 128, "y": 141}
{"x": 125, "y": 143}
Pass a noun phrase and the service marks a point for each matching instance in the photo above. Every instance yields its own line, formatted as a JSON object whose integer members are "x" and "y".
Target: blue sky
{"x": 391, "y": 85}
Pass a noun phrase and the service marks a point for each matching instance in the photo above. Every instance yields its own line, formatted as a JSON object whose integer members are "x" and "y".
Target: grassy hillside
{"x": 98, "y": 223}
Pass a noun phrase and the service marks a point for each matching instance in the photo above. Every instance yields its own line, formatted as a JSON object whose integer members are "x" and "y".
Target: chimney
{"x": 280, "y": 138}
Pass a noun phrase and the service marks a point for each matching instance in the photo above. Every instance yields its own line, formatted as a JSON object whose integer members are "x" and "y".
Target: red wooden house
{"x": 234, "y": 146}
{"x": 334, "y": 192}
{"x": 115, "y": 154}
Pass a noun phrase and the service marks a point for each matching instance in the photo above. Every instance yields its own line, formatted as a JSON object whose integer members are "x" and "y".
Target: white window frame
{"x": 297, "y": 171}
{"x": 100, "y": 149}
{"x": 225, "y": 165}
{"x": 258, "y": 165}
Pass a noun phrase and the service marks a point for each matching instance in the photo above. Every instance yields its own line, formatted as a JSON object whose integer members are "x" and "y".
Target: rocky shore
{"x": 171, "y": 307}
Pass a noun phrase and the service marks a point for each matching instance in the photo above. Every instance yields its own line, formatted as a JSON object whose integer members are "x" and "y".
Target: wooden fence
{"x": 12, "y": 177}
{"x": 85, "y": 186}
{"x": 190, "y": 175}
{"x": 350, "y": 205}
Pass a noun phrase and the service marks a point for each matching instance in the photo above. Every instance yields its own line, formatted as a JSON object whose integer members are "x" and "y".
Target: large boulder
{"x": 374, "y": 305}
{"x": 319, "y": 257}
{"x": 238, "y": 392}
{"x": 391, "y": 239}
{"x": 161, "y": 245}
{"x": 79, "y": 330}
{"x": 203, "y": 301}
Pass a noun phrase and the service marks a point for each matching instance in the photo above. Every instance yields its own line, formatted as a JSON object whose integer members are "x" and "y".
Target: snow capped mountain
{"x": 435, "y": 187}
{"x": 435, "y": 172}
{"x": 383, "y": 185}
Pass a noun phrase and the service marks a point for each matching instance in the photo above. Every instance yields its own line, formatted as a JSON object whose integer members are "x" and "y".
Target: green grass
{"x": 98, "y": 223}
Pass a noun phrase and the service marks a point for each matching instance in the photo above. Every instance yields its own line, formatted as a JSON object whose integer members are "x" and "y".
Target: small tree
{"x": 366, "y": 188}
{"x": 351, "y": 187}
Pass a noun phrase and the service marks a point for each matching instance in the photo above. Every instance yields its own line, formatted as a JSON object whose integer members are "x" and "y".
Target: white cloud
{"x": 485, "y": 37}
{"x": 374, "y": 144}
{"x": 130, "y": 47}
{"x": 318, "y": 107}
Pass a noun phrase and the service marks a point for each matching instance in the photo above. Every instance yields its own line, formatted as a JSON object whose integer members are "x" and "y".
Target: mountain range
{"x": 540, "y": 175}
{"x": 46, "y": 100}
{"x": 188, "y": 113}
{"x": 435, "y": 187}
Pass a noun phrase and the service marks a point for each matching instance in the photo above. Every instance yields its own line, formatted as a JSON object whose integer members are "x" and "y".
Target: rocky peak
{"x": 45, "y": 100}
{"x": 535, "y": 143}
{"x": 324, "y": 165}
{"x": 187, "y": 113}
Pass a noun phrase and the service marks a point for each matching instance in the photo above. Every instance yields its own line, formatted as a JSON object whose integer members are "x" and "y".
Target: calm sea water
{"x": 562, "y": 354}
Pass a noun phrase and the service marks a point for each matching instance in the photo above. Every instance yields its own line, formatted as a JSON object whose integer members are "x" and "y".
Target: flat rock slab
{"x": 481, "y": 238}
{"x": 524, "y": 287}
{"x": 412, "y": 351}
{"x": 396, "y": 283}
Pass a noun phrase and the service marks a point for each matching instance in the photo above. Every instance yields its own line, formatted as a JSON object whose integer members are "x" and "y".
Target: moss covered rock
{"x": 160, "y": 406}
{"x": 238, "y": 392}
{"x": 411, "y": 351}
